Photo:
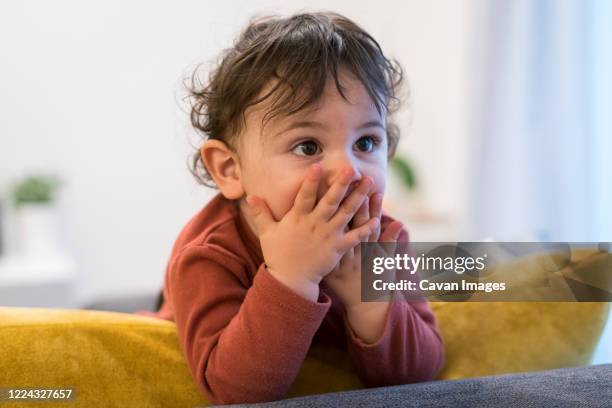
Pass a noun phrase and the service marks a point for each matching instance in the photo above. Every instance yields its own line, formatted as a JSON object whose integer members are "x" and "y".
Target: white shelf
{"x": 45, "y": 280}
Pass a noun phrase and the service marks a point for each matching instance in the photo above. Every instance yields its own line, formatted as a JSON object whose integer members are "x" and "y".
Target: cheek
{"x": 281, "y": 191}
{"x": 379, "y": 175}
{"x": 380, "y": 183}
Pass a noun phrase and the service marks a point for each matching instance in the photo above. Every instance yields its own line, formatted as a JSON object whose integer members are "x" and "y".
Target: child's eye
{"x": 307, "y": 148}
{"x": 367, "y": 143}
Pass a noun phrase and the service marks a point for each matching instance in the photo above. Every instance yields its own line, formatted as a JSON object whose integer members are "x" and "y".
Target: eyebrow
{"x": 319, "y": 125}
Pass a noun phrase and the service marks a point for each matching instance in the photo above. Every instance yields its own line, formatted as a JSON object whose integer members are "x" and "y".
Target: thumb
{"x": 261, "y": 213}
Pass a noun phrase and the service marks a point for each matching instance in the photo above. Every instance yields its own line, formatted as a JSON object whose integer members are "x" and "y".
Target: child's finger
{"x": 357, "y": 252}
{"x": 376, "y": 211}
{"x": 363, "y": 214}
{"x": 359, "y": 234}
{"x": 346, "y": 260}
{"x": 307, "y": 195}
{"x": 390, "y": 235}
{"x": 328, "y": 205}
{"x": 376, "y": 205}
{"x": 351, "y": 204}
{"x": 261, "y": 213}
{"x": 391, "y": 232}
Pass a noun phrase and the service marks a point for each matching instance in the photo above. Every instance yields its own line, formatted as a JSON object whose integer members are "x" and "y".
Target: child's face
{"x": 274, "y": 161}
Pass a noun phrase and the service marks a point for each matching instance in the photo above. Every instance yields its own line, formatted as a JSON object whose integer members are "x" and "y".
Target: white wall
{"x": 93, "y": 91}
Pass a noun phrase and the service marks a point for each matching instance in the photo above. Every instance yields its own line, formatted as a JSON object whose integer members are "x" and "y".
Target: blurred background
{"x": 507, "y": 133}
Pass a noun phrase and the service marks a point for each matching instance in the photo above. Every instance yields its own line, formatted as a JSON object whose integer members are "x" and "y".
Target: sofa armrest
{"x": 567, "y": 387}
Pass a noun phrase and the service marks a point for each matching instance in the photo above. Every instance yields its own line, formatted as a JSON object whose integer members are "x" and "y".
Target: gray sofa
{"x": 589, "y": 386}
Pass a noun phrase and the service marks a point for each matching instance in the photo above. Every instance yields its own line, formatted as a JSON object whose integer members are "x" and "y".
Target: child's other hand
{"x": 345, "y": 278}
{"x": 304, "y": 246}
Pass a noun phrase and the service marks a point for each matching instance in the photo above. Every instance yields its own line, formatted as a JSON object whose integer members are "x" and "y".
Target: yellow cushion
{"x": 110, "y": 359}
{"x": 115, "y": 359}
{"x": 503, "y": 337}
{"x": 495, "y": 338}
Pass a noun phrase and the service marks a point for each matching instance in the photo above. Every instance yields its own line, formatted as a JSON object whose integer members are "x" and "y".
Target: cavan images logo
{"x": 487, "y": 271}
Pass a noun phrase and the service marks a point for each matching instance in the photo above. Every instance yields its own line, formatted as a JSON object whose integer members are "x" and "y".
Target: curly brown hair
{"x": 298, "y": 52}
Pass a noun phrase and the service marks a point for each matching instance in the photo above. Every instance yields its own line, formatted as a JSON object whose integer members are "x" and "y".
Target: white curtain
{"x": 541, "y": 166}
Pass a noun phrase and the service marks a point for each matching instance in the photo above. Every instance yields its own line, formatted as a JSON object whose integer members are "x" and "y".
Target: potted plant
{"x": 36, "y": 216}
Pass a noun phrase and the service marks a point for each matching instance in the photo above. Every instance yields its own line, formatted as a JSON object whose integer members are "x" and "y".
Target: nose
{"x": 336, "y": 169}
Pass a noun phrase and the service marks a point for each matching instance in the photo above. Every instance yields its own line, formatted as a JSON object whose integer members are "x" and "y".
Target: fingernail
{"x": 314, "y": 170}
{"x": 348, "y": 173}
{"x": 367, "y": 181}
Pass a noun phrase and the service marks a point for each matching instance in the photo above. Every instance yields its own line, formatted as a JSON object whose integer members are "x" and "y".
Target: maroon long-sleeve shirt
{"x": 245, "y": 334}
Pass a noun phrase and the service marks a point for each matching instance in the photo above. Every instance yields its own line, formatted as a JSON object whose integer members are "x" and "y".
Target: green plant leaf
{"x": 404, "y": 170}
{"x": 35, "y": 189}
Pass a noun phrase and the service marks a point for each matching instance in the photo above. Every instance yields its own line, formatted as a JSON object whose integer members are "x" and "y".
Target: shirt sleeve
{"x": 242, "y": 344}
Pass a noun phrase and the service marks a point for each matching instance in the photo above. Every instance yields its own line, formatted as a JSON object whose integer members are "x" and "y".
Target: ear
{"x": 223, "y": 166}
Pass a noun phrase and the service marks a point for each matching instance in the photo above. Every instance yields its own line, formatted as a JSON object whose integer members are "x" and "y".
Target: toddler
{"x": 296, "y": 139}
